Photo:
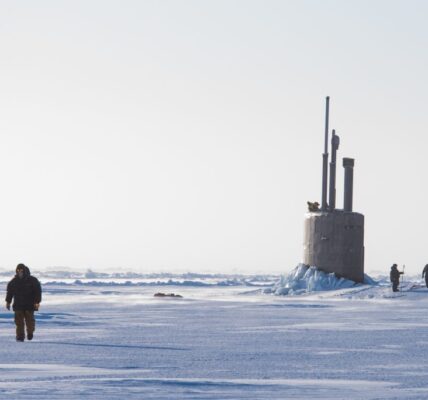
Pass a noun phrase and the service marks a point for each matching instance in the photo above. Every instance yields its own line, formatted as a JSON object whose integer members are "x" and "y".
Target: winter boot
{"x": 19, "y": 338}
{"x": 29, "y": 336}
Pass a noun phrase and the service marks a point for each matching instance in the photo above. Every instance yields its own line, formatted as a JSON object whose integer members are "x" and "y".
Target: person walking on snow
{"x": 425, "y": 272}
{"x": 394, "y": 276}
{"x": 26, "y": 292}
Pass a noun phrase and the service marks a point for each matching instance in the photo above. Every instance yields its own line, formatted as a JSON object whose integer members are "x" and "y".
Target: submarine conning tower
{"x": 334, "y": 238}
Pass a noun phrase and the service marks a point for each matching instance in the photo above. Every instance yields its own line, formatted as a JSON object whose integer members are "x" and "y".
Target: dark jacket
{"x": 394, "y": 275}
{"x": 425, "y": 272}
{"x": 25, "y": 292}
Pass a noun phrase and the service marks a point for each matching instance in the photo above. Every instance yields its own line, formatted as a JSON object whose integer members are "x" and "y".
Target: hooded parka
{"x": 25, "y": 292}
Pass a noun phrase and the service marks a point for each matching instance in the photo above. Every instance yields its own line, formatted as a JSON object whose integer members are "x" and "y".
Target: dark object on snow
{"x": 167, "y": 295}
{"x": 26, "y": 292}
{"x": 394, "y": 276}
{"x": 333, "y": 238}
{"x": 313, "y": 206}
{"x": 425, "y": 273}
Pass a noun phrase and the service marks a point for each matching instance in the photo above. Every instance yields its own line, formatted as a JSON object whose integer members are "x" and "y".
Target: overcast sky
{"x": 187, "y": 135}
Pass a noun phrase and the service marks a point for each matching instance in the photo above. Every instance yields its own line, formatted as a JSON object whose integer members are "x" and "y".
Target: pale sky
{"x": 187, "y": 135}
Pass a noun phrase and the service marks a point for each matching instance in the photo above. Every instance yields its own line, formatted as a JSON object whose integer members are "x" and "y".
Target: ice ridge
{"x": 304, "y": 279}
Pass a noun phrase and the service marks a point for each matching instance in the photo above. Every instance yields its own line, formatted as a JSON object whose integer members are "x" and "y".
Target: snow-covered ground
{"x": 98, "y": 340}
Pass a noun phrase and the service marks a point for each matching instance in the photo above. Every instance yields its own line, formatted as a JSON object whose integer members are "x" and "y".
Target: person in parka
{"x": 425, "y": 273}
{"x": 26, "y": 292}
{"x": 394, "y": 276}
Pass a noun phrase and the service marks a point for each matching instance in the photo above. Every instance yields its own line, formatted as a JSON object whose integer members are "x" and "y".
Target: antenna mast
{"x": 325, "y": 158}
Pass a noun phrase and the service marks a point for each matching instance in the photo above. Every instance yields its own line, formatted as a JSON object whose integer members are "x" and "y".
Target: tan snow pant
{"x": 22, "y": 319}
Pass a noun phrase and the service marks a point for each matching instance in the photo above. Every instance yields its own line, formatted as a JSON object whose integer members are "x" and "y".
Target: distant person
{"x": 425, "y": 273}
{"x": 312, "y": 207}
{"x": 26, "y": 292}
{"x": 394, "y": 275}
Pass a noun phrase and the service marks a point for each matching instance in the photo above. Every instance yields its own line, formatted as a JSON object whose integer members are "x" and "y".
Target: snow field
{"x": 102, "y": 342}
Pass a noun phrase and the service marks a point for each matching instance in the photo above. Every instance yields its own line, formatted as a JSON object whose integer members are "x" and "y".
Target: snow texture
{"x": 221, "y": 342}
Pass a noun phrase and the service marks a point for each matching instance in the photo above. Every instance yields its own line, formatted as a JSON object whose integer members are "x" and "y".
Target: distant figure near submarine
{"x": 394, "y": 277}
{"x": 334, "y": 238}
{"x": 425, "y": 274}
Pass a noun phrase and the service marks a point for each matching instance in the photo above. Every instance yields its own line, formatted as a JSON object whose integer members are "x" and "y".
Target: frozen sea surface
{"x": 120, "y": 342}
